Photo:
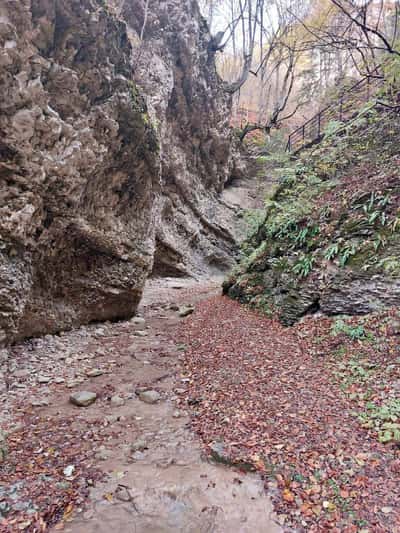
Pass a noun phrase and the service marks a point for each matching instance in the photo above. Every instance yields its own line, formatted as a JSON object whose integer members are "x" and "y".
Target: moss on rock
{"x": 331, "y": 227}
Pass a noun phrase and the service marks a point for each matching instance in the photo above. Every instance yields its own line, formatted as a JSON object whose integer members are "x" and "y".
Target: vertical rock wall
{"x": 112, "y": 155}
{"x": 175, "y": 69}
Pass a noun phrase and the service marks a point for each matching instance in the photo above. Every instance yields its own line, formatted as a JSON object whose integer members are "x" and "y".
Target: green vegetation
{"x": 334, "y": 216}
{"x": 384, "y": 419}
{"x": 353, "y": 332}
{"x": 253, "y": 218}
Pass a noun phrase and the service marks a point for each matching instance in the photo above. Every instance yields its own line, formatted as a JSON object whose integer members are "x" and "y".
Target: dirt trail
{"x": 168, "y": 487}
{"x": 156, "y": 479}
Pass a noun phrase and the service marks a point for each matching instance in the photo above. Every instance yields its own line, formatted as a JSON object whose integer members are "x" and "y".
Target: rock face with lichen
{"x": 113, "y": 152}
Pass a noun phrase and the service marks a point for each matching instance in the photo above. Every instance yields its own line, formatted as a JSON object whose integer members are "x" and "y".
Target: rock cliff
{"x": 114, "y": 147}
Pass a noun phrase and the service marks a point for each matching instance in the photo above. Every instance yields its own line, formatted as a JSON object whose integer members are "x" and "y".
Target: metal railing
{"x": 343, "y": 109}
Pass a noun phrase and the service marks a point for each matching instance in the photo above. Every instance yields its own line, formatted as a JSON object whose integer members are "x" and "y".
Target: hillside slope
{"x": 330, "y": 240}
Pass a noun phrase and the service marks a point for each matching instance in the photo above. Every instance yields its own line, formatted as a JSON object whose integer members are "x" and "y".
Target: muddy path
{"x": 150, "y": 472}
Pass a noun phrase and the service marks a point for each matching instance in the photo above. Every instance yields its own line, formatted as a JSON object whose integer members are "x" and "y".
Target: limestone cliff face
{"x": 174, "y": 67}
{"x": 107, "y": 158}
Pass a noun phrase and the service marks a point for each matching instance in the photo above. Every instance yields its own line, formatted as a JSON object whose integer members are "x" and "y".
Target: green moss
{"x": 332, "y": 204}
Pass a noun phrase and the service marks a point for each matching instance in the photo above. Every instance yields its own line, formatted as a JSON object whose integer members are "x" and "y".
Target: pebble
{"x": 137, "y": 456}
{"x": 117, "y": 401}
{"x": 149, "y": 396}
{"x": 63, "y": 485}
{"x": 139, "y": 446}
{"x": 94, "y": 373}
{"x": 138, "y": 321}
{"x": 111, "y": 419}
{"x": 219, "y": 452}
{"x": 140, "y": 333}
{"x": 43, "y": 379}
{"x": 186, "y": 311}
{"x": 59, "y": 380}
{"x": 83, "y": 398}
{"x": 103, "y": 454}
{"x": 22, "y": 373}
{"x": 39, "y": 403}
{"x": 68, "y": 470}
{"x": 3, "y": 445}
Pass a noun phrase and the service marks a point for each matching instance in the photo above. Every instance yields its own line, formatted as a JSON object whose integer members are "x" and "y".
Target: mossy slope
{"x": 331, "y": 236}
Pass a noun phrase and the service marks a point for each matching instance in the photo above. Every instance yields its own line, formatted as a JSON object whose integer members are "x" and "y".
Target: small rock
{"x": 83, "y": 398}
{"x": 43, "y": 379}
{"x": 22, "y": 373}
{"x": 117, "y": 401}
{"x": 68, "y": 470}
{"x": 3, "y": 446}
{"x": 59, "y": 380}
{"x": 4, "y": 356}
{"x": 185, "y": 311}
{"x": 39, "y": 403}
{"x": 103, "y": 454}
{"x": 139, "y": 446}
{"x": 4, "y": 509}
{"x": 176, "y": 414}
{"x": 138, "y": 321}
{"x": 63, "y": 485}
{"x": 140, "y": 333}
{"x": 219, "y": 453}
{"x": 394, "y": 327}
{"x": 386, "y": 510}
{"x": 111, "y": 419}
{"x": 94, "y": 372}
{"x": 138, "y": 456}
{"x": 149, "y": 396}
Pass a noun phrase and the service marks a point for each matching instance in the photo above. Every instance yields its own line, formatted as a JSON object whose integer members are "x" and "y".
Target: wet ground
{"x": 156, "y": 479}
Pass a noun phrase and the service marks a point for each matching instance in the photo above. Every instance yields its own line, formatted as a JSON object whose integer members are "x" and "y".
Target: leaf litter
{"x": 290, "y": 401}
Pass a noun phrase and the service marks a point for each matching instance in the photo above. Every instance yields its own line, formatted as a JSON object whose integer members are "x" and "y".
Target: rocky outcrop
{"x": 113, "y": 153}
{"x": 330, "y": 240}
{"x": 174, "y": 67}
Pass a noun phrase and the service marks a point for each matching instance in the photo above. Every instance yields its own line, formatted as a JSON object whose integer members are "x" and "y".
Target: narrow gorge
{"x": 199, "y": 266}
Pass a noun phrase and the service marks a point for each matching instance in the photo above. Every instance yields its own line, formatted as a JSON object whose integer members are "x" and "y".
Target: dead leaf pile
{"x": 48, "y": 472}
{"x": 278, "y": 398}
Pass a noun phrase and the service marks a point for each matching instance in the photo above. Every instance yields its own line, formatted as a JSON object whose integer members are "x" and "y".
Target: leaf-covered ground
{"x": 315, "y": 408}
